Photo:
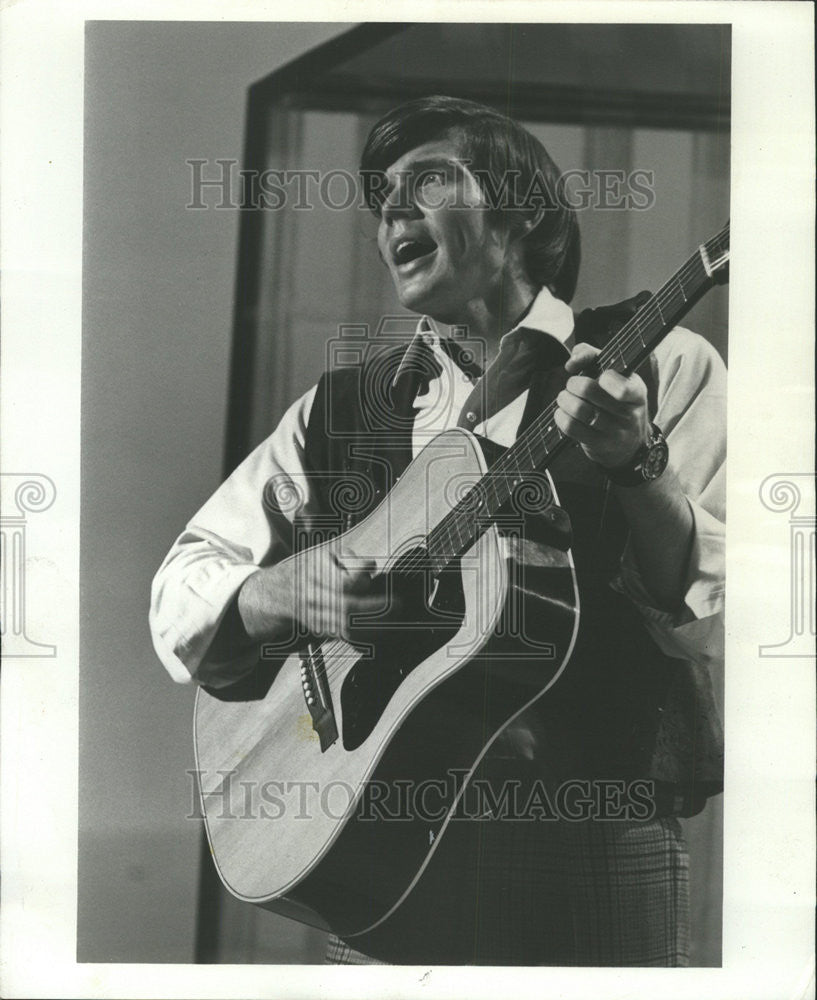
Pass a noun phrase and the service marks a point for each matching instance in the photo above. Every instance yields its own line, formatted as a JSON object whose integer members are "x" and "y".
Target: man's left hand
{"x": 608, "y": 416}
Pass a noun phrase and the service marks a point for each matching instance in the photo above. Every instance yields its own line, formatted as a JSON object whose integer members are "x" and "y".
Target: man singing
{"x": 480, "y": 245}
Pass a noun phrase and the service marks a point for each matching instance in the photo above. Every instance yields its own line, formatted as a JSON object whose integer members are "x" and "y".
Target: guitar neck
{"x": 542, "y": 441}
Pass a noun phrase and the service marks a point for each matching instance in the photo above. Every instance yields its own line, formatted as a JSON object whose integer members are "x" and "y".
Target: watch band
{"x": 646, "y": 465}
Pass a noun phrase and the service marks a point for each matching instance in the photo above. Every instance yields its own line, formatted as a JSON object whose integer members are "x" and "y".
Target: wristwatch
{"x": 646, "y": 465}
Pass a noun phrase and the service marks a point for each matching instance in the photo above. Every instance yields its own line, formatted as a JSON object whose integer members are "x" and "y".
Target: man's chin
{"x": 420, "y": 298}
{"x": 415, "y": 303}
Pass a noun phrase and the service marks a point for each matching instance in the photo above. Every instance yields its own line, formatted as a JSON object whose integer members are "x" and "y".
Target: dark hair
{"x": 508, "y": 162}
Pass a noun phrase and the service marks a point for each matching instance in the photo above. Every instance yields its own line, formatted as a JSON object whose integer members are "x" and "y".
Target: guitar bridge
{"x": 316, "y": 695}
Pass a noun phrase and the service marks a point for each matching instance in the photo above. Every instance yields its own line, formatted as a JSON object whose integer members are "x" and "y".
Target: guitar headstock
{"x": 715, "y": 256}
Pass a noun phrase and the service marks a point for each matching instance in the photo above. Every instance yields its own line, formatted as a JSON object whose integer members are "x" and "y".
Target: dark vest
{"x": 622, "y": 709}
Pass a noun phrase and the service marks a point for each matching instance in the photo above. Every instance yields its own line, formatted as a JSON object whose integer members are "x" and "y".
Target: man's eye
{"x": 432, "y": 177}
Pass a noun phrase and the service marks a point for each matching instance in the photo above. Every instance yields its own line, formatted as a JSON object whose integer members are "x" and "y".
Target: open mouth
{"x": 408, "y": 251}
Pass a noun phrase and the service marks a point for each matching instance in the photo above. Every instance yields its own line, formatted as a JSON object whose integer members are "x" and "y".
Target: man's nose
{"x": 400, "y": 202}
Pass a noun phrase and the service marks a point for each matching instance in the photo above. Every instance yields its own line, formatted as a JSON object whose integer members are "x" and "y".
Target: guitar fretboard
{"x": 542, "y": 441}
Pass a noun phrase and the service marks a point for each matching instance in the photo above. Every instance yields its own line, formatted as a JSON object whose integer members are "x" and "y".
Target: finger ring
{"x": 594, "y": 419}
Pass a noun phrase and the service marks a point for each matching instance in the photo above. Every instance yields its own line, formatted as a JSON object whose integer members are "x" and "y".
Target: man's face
{"x": 440, "y": 243}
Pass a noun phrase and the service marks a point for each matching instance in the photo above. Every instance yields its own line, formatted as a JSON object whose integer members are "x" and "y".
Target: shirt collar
{"x": 547, "y": 314}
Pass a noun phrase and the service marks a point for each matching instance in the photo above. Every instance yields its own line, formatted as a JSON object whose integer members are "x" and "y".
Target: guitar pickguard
{"x": 432, "y": 611}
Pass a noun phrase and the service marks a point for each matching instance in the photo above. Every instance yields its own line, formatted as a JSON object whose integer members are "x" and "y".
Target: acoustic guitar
{"x": 332, "y": 780}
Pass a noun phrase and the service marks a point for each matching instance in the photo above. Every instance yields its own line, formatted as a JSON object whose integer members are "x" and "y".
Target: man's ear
{"x": 532, "y": 221}
{"x": 523, "y": 224}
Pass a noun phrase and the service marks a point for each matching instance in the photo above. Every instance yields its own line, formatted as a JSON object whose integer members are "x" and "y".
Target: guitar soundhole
{"x": 425, "y": 613}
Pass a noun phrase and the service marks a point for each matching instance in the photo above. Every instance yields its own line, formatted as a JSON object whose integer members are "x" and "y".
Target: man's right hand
{"x": 318, "y": 592}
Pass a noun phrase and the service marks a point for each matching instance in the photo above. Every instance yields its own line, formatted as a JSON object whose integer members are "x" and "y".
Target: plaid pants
{"x": 582, "y": 894}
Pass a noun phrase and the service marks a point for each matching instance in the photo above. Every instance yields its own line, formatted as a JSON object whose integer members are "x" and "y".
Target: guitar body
{"x": 356, "y": 823}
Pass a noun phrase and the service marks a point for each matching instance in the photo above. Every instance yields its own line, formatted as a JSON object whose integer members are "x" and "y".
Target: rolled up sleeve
{"x": 191, "y": 593}
{"x": 692, "y": 413}
{"x": 236, "y": 532}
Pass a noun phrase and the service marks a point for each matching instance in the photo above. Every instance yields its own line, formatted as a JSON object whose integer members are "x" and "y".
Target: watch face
{"x": 650, "y": 461}
{"x": 656, "y": 460}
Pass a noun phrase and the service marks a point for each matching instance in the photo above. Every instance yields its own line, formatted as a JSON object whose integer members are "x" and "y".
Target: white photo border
{"x": 769, "y": 812}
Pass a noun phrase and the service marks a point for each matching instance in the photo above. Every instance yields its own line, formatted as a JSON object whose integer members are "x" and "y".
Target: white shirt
{"x": 233, "y": 535}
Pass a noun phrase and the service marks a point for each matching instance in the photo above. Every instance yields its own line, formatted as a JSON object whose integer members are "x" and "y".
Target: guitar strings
{"x": 533, "y": 436}
{"x": 630, "y": 335}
